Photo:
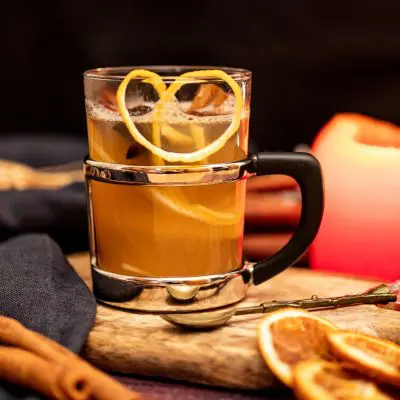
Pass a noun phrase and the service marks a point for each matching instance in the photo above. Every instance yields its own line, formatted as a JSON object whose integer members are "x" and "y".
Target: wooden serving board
{"x": 141, "y": 344}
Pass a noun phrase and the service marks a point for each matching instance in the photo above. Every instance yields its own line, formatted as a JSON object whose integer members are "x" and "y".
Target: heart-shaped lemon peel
{"x": 167, "y": 95}
{"x": 172, "y": 198}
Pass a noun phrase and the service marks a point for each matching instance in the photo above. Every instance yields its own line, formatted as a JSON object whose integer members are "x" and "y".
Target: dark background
{"x": 310, "y": 59}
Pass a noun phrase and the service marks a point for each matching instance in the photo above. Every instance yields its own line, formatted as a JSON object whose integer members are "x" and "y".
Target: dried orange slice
{"x": 322, "y": 380}
{"x": 289, "y": 336}
{"x": 377, "y": 358}
{"x": 167, "y": 96}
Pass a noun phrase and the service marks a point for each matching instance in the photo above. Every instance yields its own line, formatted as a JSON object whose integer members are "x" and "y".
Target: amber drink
{"x": 172, "y": 230}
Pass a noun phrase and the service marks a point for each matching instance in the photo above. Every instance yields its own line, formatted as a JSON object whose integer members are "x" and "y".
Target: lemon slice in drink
{"x": 166, "y": 96}
{"x": 198, "y": 137}
{"x": 175, "y": 136}
{"x": 171, "y": 197}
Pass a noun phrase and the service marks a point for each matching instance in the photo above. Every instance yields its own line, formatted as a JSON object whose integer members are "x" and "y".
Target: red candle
{"x": 360, "y": 230}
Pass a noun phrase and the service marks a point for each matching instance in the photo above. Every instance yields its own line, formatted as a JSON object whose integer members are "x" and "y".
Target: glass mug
{"x": 166, "y": 180}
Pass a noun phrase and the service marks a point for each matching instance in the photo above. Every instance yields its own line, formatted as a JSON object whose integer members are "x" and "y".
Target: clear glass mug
{"x": 166, "y": 177}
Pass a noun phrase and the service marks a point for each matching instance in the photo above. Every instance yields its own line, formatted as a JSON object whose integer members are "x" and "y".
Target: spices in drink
{"x": 137, "y": 111}
{"x": 207, "y": 94}
{"x": 108, "y": 99}
{"x": 134, "y": 150}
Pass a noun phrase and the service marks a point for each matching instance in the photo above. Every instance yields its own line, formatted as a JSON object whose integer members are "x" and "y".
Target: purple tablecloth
{"x": 171, "y": 390}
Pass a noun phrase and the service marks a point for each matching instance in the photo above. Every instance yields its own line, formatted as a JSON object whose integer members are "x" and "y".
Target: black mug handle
{"x": 305, "y": 169}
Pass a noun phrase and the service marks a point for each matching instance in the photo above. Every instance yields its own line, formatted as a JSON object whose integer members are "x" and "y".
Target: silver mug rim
{"x": 167, "y": 175}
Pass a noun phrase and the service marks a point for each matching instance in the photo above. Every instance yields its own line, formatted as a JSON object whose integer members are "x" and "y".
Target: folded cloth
{"x": 59, "y": 212}
{"x": 40, "y": 149}
{"x": 42, "y": 291}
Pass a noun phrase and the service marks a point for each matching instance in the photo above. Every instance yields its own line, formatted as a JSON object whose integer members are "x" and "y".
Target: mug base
{"x": 171, "y": 295}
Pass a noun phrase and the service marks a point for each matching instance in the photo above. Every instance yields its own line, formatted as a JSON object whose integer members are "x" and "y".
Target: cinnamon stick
{"x": 17, "y": 176}
{"x": 32, "y": 372}
{"x": 108, "y": 99}
{"x": 102, "y": 386}
{"x": 13, "y": 333}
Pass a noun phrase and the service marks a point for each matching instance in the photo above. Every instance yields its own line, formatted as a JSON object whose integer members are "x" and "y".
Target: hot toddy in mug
{"x": 166, "y": 179}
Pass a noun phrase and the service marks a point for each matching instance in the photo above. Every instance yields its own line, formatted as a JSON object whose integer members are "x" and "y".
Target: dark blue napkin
{"x": 60, "y": 213}
{"x": 38, "y": 287}
{"x": 41, "y": 290}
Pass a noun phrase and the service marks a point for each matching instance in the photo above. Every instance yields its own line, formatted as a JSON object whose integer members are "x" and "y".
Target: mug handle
{"x": 305, "y": 169}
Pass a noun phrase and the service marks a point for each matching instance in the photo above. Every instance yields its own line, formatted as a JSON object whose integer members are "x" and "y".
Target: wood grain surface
{"x": 126, "y": 342}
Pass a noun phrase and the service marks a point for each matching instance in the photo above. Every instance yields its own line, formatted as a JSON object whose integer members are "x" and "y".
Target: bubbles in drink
{"x": 173, "y": 113}
{"x": 111, "y": 141}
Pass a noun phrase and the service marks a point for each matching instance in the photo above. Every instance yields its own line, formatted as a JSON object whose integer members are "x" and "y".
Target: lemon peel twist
{"x": 165, "y": 96}
{"x": 171, "y": 197}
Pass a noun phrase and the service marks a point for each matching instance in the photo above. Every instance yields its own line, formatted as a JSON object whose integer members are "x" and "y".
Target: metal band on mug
{"x": 175, "y": 294}
{"x": 167, "y": 175}
{"x": 171, "y": 295}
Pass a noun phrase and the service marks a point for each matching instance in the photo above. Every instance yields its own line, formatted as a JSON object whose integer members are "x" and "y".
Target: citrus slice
{"x": 171, "y": 198}
{"x": 99, "y": 153}
{"x": 208, "y": 94}
{"x": 174, "y": 199}
{"x": 199, "y": 138}
{"x": 168, "y": 95}
{"x": 289, "y": 336}
{"x": 377, "y": 358}
{"x": 175, "y": 135}
{"x": 322, "y": 380}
